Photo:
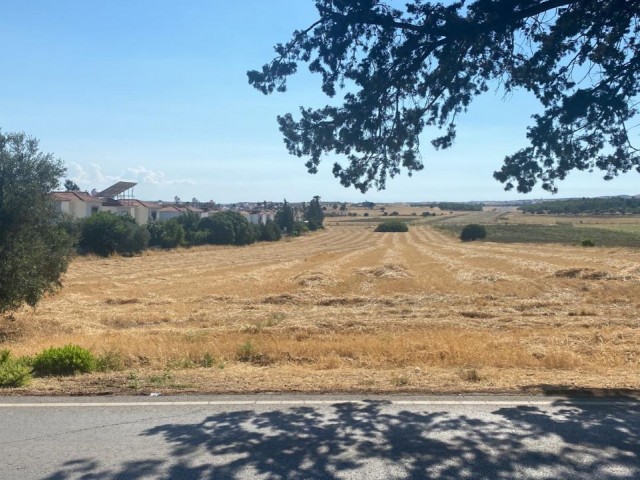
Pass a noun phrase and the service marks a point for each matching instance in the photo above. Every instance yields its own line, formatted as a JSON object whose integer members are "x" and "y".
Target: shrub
{"x": 67, "y": 360}
{"x": 105, "y": 233}
{"x": 228, "y": 228}
{"x": 169, "y": 234}
{"x": 110, "y": 361}
{"x": 14, "y": 374}
{"x": 270, "y": 232}
{"x": 5, "y": 355}
{"x": 392, "y": 226}
{"x": 588, "y": 243}
{"x": 473, "y": 232}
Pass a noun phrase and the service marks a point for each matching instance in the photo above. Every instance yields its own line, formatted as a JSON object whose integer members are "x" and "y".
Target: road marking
{"x": 425, "y": 403}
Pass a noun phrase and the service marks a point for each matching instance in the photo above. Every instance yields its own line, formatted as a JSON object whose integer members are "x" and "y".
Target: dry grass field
{"x": 347, "y": 309}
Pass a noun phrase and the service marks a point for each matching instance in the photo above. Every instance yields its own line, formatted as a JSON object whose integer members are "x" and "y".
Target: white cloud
{"x": 94, "y": 177}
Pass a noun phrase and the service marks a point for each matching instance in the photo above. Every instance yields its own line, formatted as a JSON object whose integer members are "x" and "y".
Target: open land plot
{"x": 347, "y": 309}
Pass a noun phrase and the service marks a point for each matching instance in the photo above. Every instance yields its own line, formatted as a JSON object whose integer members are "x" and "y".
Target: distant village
{"x": 119, "y": 199}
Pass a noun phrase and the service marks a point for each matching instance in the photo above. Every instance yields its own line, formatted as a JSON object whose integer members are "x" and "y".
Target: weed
{"x": 160, "y": 380}
{"x": 207, "y": 360}
{"x": 5, "y": 354}
{"x": 67, "y": 360}
{"x": 246, "y": 352}
{"x": 401, "y": 381}
{"x": 134, "y": 380}
{"x": 471, "y": 375}
{"x": 588, "y": 243}
{"x": 110, "y": 361}
{"x": 181, "y": 364}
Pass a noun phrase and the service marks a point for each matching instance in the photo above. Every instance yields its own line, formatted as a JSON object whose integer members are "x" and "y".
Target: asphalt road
{"x": 304, "y": 437}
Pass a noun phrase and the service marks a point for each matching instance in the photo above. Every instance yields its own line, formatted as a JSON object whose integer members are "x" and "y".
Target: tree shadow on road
{"x": 573, "y": 440}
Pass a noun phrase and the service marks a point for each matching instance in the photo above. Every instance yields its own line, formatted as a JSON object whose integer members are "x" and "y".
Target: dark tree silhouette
{"x": 406, "y": 68}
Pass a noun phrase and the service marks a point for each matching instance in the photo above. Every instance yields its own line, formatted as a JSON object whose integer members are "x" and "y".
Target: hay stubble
{"x": 350, "y": 309}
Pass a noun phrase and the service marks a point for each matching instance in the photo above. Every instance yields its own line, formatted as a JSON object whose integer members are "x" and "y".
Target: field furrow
{"x": 418, "y": 308}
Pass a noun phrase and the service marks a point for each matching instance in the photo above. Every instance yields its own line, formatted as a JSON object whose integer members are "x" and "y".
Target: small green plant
{"x": 246, "y": 352}
{"x": 109, "y": 361}
{"x": 207, "y": 360}
{"x": 13, "y": 373}
{"x": 160, "y": 380}
{"x": 473, "y": 232}
{"x": 392, "y": 226}
{"x": 67, "y": 360}
{"x": 134, "y": 380}
{"x": 588, "y": 243}
{"x": 5, "y": 355}
{"x": 181, "y": 364}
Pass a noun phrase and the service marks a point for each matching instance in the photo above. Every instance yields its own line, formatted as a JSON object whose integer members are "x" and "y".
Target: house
{"x": 118, "y": 207}
{"x": 260, "y": 217}
{"x": 144, "y": 211}
{"x": 77, "y": 204}
{"x": 169, "y": 212}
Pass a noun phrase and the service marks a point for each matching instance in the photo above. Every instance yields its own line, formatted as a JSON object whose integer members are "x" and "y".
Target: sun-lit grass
{"x": 347, "y": 309}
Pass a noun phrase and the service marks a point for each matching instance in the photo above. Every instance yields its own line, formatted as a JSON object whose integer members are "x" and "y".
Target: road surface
{"x": 306, "y": 437}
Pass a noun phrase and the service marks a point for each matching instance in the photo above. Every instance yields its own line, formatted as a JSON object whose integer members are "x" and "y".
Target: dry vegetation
{"x": 347, "y": 309}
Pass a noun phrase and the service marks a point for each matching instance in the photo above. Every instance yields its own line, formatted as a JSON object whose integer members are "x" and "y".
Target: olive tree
{"x": 34, "y": 248}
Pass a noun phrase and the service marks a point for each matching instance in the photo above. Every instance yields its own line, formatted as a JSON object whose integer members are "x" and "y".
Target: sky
{"x": 156, "y": 92}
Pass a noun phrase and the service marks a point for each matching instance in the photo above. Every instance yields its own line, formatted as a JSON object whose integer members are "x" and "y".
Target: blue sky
{"x": 156, "y": 92}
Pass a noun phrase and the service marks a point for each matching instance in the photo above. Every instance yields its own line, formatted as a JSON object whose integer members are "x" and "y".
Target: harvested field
{"x": 347, "y": 309}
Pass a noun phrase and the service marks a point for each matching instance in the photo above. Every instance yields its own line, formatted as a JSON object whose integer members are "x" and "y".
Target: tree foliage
{"x": 392, "y": 226}
{"x": 473, "y": 232}
{"x": 421, "y": 65}
{"x": 314, "y": 215}
{"x": 105, "y": 233}
{"x": 34, "y": 249}
{"x": 586, "y": 206}
{"x": 458, "y": 206}
{"x": 169, "y": 234}
{"x": 228, "y": 228}
{"x": 285, "y": 218}
{"x": 71, "y": 186}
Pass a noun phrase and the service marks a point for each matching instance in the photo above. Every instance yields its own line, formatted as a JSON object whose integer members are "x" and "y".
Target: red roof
{"x": 73, "y": 196}
{"x": 135, "y": 202}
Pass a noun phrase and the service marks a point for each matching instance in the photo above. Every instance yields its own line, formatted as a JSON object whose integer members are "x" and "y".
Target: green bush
{"x": 5, "y": 356}
{"x": 392, "y": 226}
{"x": 473, "y": 232}
{"x": 67, "y": 360}
{"x": 228, "y": 228}
{"x": 105, "y": 233}
{"x": 270, "y": 232}
{"x": 169, "y": 234}
{"x": 13, "y": 373}
{"x": 588, "y": 243}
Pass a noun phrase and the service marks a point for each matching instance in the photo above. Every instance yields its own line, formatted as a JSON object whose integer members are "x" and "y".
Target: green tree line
{"x": 586, "y": 206}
